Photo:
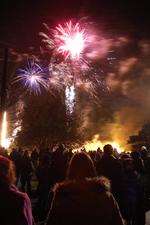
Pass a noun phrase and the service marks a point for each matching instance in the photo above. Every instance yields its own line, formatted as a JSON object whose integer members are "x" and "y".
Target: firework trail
{"x": 33, "y": 77}
{"x": 62, "y": 77}
{"x": 4, "y": 140}
{"x": 70, "y": 97}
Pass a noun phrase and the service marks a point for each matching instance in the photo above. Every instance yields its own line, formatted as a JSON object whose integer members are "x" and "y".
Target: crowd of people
{"x": 98, "y": 187}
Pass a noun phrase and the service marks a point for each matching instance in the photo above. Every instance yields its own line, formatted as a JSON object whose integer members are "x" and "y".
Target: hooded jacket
{"x": 15, "y": 206}
{"x": 84, "y": 202}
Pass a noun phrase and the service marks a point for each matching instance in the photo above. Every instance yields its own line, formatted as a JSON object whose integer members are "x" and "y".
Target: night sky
{"x": 21, "y": 21}
{"x": 126, "y": 27}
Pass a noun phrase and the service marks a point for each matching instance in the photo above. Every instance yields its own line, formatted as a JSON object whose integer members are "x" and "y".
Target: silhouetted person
{"x": 133, "y": 195}
{"x": 35, "y": 157}
{"x": 26, "y": 173}
{"x": 16, "y": 157}
{"x": 111, "y": 168}
{"x": 15, "y": 206}
{"x": 44, "y": 175}
{"x": 138, "y": 161}
{"x": 99, "y": 155}
{"x": 83, "y": 199}
{"x": 59, "y": 164}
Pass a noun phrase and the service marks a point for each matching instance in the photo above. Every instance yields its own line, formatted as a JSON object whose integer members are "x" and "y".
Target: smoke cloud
{"x": 125, "y": 108}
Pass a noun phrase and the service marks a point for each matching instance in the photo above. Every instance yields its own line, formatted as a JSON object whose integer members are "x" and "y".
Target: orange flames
{"x": 95, "y": 143}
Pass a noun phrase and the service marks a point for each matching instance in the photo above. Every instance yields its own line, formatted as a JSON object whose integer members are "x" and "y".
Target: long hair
{"x": 81, "y": 166}
{"x": 7, "y": 171}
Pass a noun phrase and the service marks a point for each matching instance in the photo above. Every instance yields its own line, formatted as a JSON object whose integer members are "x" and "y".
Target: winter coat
{"x": 111, "y": 168}
{"x": 27, "y": 167}
{"x": 84, "y": 202}
{"x": 133, "y": 199}
{"x": 15, "y": 207}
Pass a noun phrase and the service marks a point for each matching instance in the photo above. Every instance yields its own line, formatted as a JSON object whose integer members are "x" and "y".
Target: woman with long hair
{"x": 15, "y": 206}
{"x": 83, "y": 198}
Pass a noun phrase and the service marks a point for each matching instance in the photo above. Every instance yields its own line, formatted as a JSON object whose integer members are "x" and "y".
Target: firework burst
{"x": 71, "y": 40}
{"x": 68, "y": 39}
{"x": 33, "y": 77}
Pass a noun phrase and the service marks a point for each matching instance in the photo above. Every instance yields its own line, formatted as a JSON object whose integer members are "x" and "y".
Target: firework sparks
{"x": 68, "y": 39}
{"x": 33, "y": 77}
{"x": 71, "y": 40}
{"x": 4, "y": 140}
{"x": 62, "y": 77}
{"x": 89, "y": 81}
{"x": 70, "y": 98}
{"x": 18, "y": 122}
{"x": 61, "y": 74}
